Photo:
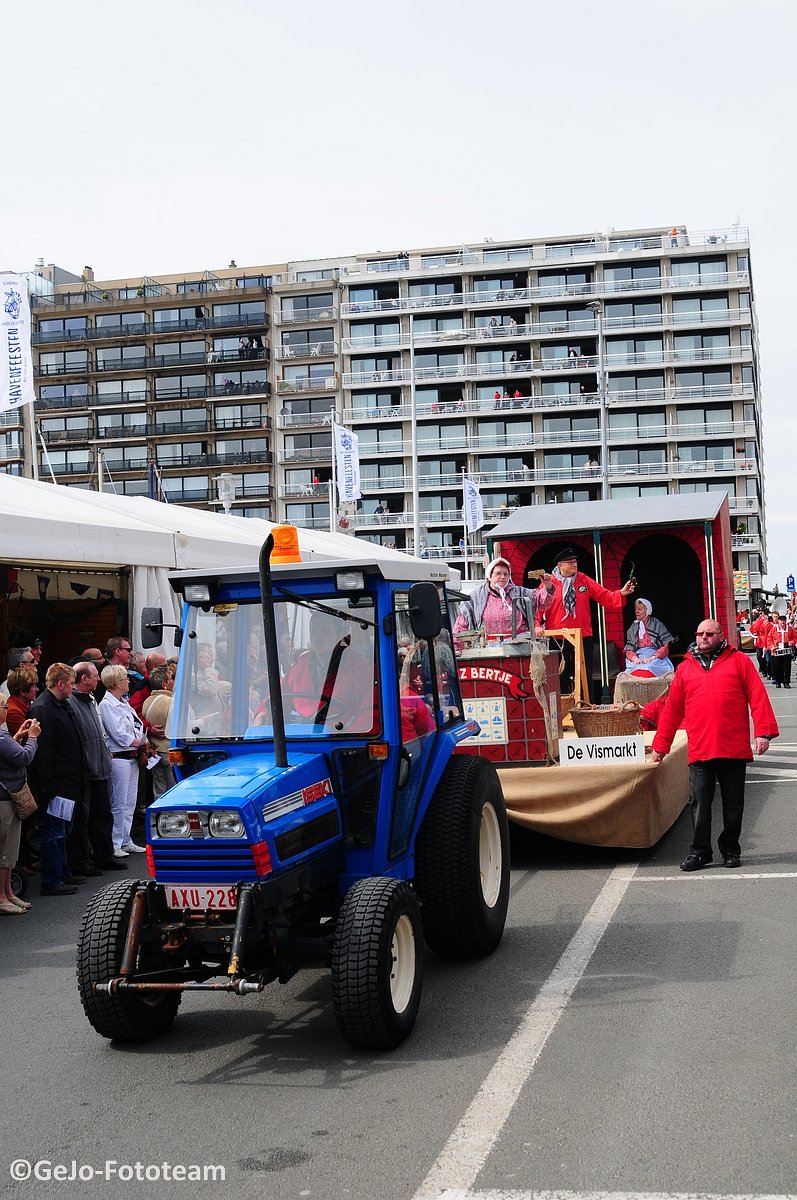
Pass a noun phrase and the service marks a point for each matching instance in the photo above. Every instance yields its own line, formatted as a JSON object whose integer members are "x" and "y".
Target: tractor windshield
{"x": 327, "y": 666}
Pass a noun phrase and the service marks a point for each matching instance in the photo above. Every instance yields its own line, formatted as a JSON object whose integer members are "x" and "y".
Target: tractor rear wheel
{"x": 377, "y": 963}
{"x": 462, "y": 861}
{"x": 127, "y": 1016}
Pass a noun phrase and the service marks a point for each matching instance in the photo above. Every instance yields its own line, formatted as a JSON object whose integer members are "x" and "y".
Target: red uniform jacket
{"x": 586, "y": 589}
{"x": 715, "y": 706}
{"x": 759, "y": 628}
{"x": 772, "y": 638}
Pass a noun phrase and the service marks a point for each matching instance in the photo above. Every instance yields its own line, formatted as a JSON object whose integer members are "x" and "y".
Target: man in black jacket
{"x": 58, "y": 770}
{"x": 96, "y": 835}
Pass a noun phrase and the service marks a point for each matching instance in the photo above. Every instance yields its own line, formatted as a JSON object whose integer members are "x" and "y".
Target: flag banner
{"x": 347, "y": 462}
{"x": 472, "y": 509}
{"x": 16, "y": 364}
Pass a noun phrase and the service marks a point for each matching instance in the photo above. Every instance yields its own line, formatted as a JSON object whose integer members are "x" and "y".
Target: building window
{"x": 63, "y": 362}
{"x": 652, "y": 424}
{"x": 701, "y": 270}
{"x": 626, "y": 491}
{"x": 121, "y": 323}
{"x": 240, "y": 416}
{"x": 121, "y": 358}
{"x": 640, "y": 276}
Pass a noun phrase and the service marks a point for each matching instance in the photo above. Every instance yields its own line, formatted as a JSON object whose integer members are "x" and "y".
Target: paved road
{"x": 633, "y": 1034}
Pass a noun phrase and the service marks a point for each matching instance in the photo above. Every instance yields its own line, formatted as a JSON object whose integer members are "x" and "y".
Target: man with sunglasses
{"x": 715, "y": 691}
{"x": 118, "y": 651}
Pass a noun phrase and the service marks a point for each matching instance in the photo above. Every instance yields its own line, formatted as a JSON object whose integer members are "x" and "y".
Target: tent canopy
{"x": 45, "y": 523}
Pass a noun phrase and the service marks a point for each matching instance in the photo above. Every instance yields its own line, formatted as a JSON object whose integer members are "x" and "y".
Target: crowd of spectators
{"x": 88, "y": 737}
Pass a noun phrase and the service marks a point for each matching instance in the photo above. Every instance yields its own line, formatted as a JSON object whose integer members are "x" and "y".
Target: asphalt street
{"x": 633, "y": 1034}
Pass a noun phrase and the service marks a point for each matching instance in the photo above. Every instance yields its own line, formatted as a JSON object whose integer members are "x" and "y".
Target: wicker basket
{"x": 606, "y": 720}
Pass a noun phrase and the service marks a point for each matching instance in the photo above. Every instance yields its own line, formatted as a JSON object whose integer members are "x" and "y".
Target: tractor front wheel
{"x": 377, "y": 963}
{"x": 128, "y": 1016}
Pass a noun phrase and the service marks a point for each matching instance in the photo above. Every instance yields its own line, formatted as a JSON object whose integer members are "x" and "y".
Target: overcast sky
{"x": 152, "y": 138}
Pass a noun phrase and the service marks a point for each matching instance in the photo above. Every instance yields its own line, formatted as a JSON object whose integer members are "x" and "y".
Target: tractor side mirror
{"x": 152, "y": 627}
{"x": 425, "y": 616}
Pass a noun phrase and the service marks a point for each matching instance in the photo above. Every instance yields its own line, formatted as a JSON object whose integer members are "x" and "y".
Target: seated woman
{"x": 647, "y": 642}
{"x": 416, "y": 716}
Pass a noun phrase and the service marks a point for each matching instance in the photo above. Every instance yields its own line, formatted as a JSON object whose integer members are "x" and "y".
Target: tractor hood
{"x": 252, "y": 779}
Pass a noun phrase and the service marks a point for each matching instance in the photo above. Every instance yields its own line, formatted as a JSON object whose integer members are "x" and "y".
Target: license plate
{"x": 200, "y": 898}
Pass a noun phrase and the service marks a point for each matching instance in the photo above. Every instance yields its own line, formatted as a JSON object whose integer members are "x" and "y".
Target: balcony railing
{"x": 519, "y": 332}
{"x": 548, "y": 291}
{"x": 54, "y": 437}
{"x": 9, "y": 450}
{"x": 91, "y": 294}
{"x": 311, "y": 350}
{"x": 319, "y": 313}
{"x": 296, "y": 420}
{"x": 315, "y": 454}
{"x": 287, "y": 387}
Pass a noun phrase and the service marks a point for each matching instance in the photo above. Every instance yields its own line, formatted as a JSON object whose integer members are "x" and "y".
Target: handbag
{"x": 24, "y": 804}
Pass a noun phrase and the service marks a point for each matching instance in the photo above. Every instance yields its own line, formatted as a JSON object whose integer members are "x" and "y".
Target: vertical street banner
{"x": 16, "y": 364}
{"x": 347, "y": 462}
{"x": 472, "y": 508}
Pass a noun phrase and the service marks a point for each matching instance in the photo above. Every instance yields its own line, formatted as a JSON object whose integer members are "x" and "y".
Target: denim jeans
{"x": 52, "y": 842}
{"x": 703, "y": 778}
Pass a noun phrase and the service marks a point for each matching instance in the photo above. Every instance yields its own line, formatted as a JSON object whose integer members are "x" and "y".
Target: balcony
{"x": 256, "y": 387}
{"x": 743, "y": 504}
{"x": 85, "y": 467}
{"x": 10, "y": 450}
{"x": 503, "y": 297}
{"x": 311, "y": 350}
{"x": 236, "y": 459}
{"x": 56, "y": 437}
{"x": 299, "y": 420}
{"x": 321, "y": 313}
{"x": 289, "y": 387}
{"x": 745, "y": 541}
{"x": 119, "y": 466}
{"x": 307, "y": 454}
{"x": 235, "y": 423}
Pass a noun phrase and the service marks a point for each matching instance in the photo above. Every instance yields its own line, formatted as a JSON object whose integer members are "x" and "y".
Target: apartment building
{"x": 548, "y": 370}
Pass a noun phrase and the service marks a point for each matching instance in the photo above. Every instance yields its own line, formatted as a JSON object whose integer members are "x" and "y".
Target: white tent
{"x": 43, "y": 523}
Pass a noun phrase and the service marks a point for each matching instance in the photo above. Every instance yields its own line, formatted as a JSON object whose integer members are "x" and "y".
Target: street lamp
{"x": 416, "y": 502}
{"x": 225, "y": 487}
{"x": 596, "y": 306}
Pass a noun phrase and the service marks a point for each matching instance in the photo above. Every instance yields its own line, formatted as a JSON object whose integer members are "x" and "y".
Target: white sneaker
{"x": 120, "y": 853}
{"x": 132, "y": 848}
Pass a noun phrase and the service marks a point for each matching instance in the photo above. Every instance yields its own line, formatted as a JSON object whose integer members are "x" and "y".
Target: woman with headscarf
{"x": 647, "y": 642}
{"x": 501, "y": 607}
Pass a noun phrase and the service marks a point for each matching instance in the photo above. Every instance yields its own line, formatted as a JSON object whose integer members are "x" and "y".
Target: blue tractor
{"x": 326, "y": 811}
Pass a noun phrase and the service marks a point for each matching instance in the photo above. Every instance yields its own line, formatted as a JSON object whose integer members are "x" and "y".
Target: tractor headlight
{"x": 173, "y": 825}
{"x": 225, "y": 824}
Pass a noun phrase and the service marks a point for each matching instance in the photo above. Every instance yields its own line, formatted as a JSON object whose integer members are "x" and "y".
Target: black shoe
{"x": 63, "y": 889}
{"x": 733, "y": 860}
{"x": 75, "y": 879}
{"x": 694, "y": 862}
{"x": 89, "y": 872}
{"x": 114, "y": 864}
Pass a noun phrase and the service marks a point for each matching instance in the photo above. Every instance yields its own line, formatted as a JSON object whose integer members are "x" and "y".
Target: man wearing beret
{"x": 570, "y": 609}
